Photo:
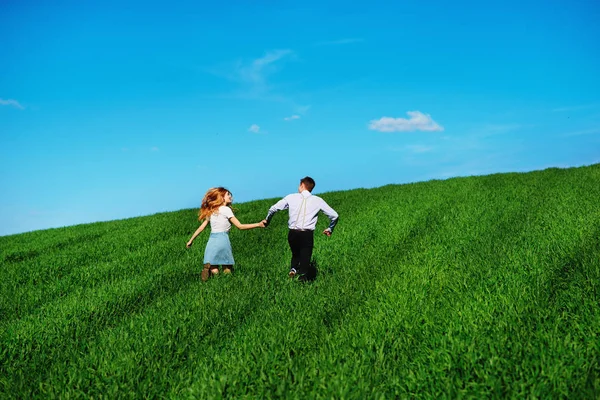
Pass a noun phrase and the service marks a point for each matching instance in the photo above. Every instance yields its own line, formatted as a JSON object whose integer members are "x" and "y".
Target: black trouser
{"x": 302, "y": 243}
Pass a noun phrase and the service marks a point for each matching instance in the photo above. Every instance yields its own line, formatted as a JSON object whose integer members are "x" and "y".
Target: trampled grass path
{"x": 477, "y": 287}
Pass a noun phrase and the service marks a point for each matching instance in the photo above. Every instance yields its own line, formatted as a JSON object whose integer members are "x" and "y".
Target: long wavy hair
{"x": 213, "y": 199}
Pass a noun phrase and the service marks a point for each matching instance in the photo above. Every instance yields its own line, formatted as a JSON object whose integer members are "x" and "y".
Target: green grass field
{"x": 478, "y": 287}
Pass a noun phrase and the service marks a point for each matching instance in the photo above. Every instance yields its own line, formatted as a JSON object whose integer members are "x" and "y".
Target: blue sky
{"x": 111, "y": 110}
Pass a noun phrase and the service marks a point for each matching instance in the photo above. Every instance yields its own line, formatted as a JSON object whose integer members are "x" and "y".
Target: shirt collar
{"x": 305, "y": 193}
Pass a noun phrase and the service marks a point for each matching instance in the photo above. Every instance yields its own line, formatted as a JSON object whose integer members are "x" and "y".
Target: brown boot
{"x": 205, "y": 272}
{"x": 227, "y": 269}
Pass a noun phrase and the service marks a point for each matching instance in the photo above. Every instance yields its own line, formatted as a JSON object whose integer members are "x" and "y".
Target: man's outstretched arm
{"x": 333, "y": 218}
{"x": 280, "y": 205}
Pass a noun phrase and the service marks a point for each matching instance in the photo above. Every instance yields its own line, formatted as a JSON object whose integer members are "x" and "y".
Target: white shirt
{"x": 303, "y": 209}
{"x": 219, "y": 221}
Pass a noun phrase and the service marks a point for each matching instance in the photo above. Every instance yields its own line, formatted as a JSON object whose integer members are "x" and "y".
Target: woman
{"x": 216, "y": 209}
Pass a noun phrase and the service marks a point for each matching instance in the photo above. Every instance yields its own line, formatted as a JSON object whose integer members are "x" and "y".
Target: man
{"x": 303, "y": 209}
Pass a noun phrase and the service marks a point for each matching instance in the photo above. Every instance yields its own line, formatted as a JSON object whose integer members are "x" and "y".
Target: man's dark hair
{"x": 309, "y": 183}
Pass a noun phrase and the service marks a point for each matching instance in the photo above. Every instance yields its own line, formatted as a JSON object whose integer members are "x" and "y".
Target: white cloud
{"x": 299, "y": 112}
{"x": 254, "y": 128}
{"x": 11, "y": 102}
{"x": 256, "y": 72}
{"x": 252, "y": 77}
{"x": 154, "y": 148}
{"x": 417, "y": 122}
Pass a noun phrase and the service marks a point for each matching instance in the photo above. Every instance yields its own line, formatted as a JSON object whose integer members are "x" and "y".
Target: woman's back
{"x": 219, "y": 221}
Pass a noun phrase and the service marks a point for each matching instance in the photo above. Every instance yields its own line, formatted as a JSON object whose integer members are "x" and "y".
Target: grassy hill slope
{"x": 480, "y": 286}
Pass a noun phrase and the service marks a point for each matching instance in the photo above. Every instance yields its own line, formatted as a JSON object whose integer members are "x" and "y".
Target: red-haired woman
{"x": 215, "y": 209}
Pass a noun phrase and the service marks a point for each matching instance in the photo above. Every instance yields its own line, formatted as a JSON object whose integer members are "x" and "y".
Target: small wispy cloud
{"x": 12, "y": 103}
{"x": 498, "y": 129}
{"x": 415, "y": 148}
{"x": 340, "y": 42}
{"x": 254, "y": 128}
{"x": 256, "y": 72}
{"x": 583, "y": 132}
{"x": 417, "y": 122}
{"x": 576, "y": 108}
{"x": 154, "y": 149}
{"x": 302, "y": 109}
{"x": 299, "y": 112}
{"x": 252, "y": 78}
{"x": 418, "y": 148}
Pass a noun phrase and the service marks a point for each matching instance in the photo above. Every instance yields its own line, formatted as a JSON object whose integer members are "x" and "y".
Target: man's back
{"x": 303, "y": 210}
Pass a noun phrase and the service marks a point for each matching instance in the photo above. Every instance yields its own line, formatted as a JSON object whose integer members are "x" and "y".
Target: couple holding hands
{"x": 303, "y": 208}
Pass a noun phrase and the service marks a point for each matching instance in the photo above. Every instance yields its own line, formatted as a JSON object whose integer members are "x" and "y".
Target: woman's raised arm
{"x": 200, "y": 229}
